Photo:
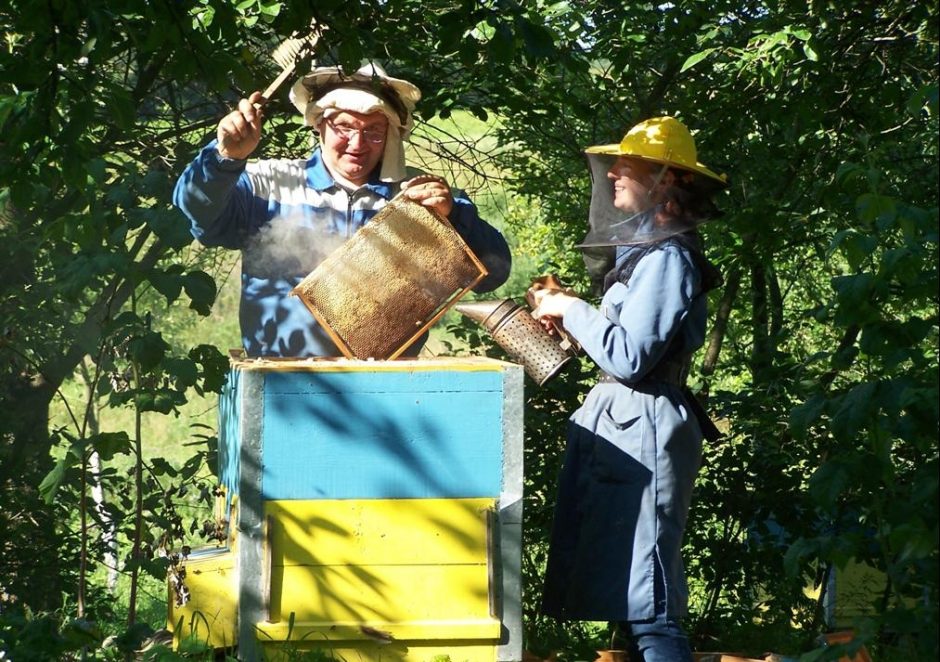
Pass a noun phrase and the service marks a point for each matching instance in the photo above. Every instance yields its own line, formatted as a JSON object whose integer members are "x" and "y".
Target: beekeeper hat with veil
{"x": 328, "y": 90}
{"x": 667, "y": 145}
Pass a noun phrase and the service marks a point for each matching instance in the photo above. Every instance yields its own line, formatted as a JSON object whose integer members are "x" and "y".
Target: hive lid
{"x": 380, "y": 291}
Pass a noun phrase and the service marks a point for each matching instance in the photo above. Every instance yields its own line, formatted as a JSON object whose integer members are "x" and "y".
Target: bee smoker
{"x": 521, "y": 336}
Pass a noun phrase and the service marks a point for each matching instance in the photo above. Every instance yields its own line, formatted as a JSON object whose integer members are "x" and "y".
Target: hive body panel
{"x": 378, "y": 508}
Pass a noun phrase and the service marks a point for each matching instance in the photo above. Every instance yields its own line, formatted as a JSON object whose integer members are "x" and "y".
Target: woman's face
{"x": 632, "y": 180}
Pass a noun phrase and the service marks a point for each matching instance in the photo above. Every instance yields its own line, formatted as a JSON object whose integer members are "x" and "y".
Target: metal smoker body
{"x": 520, "y": 335}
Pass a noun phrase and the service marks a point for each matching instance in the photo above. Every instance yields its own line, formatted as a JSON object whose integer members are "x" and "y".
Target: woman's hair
{"x": 688, "y": 201}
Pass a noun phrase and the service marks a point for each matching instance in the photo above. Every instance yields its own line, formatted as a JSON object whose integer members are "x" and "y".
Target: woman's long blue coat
{"x": 633, "y": 450}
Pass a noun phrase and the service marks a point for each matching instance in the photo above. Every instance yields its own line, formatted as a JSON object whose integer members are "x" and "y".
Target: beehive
{"x": 379, "y": 510}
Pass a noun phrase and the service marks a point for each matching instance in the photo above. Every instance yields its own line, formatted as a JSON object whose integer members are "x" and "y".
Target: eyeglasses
{"x": 374, "y": 136}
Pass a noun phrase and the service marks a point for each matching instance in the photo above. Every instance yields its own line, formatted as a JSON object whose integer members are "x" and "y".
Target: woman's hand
{"x": 550, "y": 307}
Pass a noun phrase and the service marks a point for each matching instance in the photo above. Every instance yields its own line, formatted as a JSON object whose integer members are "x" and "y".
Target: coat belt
{"x": 675, "y": 373}
{"x": 668, "y": 372}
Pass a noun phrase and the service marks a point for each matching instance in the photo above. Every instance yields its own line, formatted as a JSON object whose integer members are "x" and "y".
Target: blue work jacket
{"x": 633, "y": 449}
{"x": 286, "y": 215}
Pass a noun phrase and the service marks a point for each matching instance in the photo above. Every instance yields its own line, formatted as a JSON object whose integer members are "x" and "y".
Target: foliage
{"x": 822, "y": 366}
{"x": 826, "y": 123}
{"x": 88, "y": 234}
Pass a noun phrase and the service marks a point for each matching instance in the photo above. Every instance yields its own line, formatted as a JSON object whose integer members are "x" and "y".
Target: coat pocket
{"x": 611, "y": 461}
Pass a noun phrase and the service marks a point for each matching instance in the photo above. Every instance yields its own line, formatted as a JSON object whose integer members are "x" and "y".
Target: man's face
{"x": 353, "y": 143}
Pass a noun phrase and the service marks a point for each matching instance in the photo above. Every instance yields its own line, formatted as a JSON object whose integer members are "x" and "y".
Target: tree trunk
{"x": 760, "y": 350}
{"x": 32, "y": 573}
{"x": 29, "y": 572}
{"x": 719, "y": 327}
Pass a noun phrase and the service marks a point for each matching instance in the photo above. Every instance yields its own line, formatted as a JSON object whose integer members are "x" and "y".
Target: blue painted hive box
{"x": 376, "y": 512}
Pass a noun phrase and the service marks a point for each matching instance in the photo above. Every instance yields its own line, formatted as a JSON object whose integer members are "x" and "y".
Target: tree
{"x": 826, "y": 123}
{"x": 88, "y": 136}
{"x": 822, "y": 364}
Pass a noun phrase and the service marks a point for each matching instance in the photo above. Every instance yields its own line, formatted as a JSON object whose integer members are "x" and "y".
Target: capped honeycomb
{"x": 381, "y": 290}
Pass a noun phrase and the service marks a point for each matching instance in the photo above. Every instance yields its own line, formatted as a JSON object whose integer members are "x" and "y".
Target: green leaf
{"x": 854, "y": 410}
{"x": 97, "y": 170}
{"x": 52, "y": 480}
{"x": 795, "y": 554}
{"x": 109, "y": 444}
{"x": 7, "y": 104}
{"x": 502, "y": 47}
{"x": 828, "y": 482}
{"x": 810, "y": 52}
{"x": 538, "y": 42}
{"x": 350, "y": 52}
{"x": 849, "y": 171}
{"x": 192, "y": 466}
{"x": 80, "y": 633}
{"x": 169, "y": 225}
{"x": 857, "y": 290}
{"x": 876, "y": 209}
{"x": 122, "y": 108}
{"x": 200, "y": 287}
{"x": 694, "y": 59}
{"x": 215, "y": 366}
{"x": 147, "y": 349}
{"x": 924, "y": 99}
{"x": 270, "y": 8}
{"x": 163, "y": 401}
{"x": 857, "y": 248}
{"x": 203, "y": 17}
{"x": 482, "y": 31}
{"x": 806, "y": 414}
{"x": 183, "y": 371}
{"x": 162, "y": 468}
{"x": 167, "y": 282}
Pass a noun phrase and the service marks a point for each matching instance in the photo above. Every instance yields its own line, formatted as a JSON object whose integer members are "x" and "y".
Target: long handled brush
{"x": 289, "y": 54}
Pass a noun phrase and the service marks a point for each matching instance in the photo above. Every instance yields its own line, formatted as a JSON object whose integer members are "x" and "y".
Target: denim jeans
{"x": 656, "y": 640}
{"x": 659, "y": 639}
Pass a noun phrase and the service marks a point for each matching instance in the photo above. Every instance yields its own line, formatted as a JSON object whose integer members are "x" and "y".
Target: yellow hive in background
{"x": 209, "y": 616}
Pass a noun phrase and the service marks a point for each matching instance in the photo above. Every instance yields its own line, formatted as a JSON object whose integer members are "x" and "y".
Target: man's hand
{"x": 239, "y": 132}
{"x": 430, "y": 191}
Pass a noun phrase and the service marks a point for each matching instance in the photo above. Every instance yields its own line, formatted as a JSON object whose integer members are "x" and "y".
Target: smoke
{"x": 291, "y": 245}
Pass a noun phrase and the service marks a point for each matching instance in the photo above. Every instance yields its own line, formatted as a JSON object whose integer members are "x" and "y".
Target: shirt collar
{"x": 320, "y": 179}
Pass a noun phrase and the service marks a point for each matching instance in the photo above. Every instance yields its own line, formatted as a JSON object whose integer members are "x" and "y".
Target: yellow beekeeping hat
{"x": 663, "y": 140}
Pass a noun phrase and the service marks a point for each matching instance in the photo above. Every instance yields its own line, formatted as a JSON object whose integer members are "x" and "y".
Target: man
{"x": 286, "y": 215}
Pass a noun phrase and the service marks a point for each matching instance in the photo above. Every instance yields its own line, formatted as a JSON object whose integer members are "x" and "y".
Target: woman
{"x": 634, "y": 446}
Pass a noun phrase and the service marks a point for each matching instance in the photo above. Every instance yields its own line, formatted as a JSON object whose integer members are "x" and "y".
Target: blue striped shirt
{"x": 286, "y": 215}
